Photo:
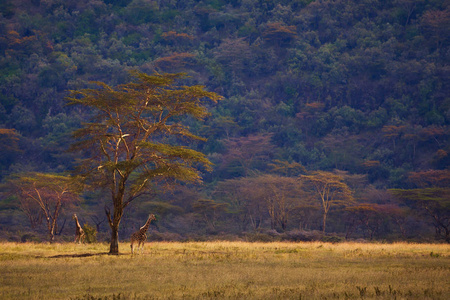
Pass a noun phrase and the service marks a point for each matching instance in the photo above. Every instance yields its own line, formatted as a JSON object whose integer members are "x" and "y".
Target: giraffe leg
{"x": 142, "y": 249}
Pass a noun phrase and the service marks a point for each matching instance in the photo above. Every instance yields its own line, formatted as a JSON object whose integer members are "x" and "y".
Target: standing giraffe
{"x": 140, "y": 236}
{"x": 79, "y": 232}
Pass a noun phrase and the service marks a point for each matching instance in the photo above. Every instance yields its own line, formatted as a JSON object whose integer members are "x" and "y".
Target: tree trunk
{"x": 324, "y": 221}
{"x": 51, "y": 236}
{"x": 114, "y": 224}
{"x": 114, "y": 246}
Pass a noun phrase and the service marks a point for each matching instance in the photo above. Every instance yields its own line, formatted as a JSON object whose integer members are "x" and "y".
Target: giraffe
{"x": 79, "y": 232}
{"x": 140, "y": 236}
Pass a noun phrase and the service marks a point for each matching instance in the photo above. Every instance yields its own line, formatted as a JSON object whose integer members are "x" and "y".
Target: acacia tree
{"x": 331, "y": 189}
{"x": 366, "y": 216}
{"x": 255, "y": 197}
{"x": 430, "y": 197}
{"x": 129, "y": 144}
{"x": 43, "y": 196}
{"x": 433, "y": 202}
{"x": 281, "y": 195}
{"x": 209, "y": 211}
{"x": 234, "y": 193}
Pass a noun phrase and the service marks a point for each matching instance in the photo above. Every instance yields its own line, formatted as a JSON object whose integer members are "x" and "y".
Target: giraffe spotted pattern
{"x": 79, "y": 232}
{"x": 140, "y": 236}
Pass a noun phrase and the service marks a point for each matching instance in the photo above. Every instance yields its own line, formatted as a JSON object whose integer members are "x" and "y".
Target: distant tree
{"x": 175, "y": 38}
{"x": 234, "y": 53}
{"x": 286, "y": 168}
{"x": 234, "y": 193}
{"x": 43, "y": 196}
{"x": 436, "y": 24}
{"x": 393, "y": 132}
{"x": 9, "y": 146}
{"x": 366, "y": 216}
{"x": 255, "y": 198}
{"x": 279, "y": 34}
{"x": 433, "y": 203}
{"x": 306, "y": 213}
{"x": 248, "y": 150}
{"x": 369, "y": 164}
{"x": 209, "y": 211}
{"x": 174, "y": 61}
{"x": 409, "y": 6}
{"x": 307, "y": 117}
{"x": 282, "y": 195}
{"x": 343, "y": 150}
{"x": 16, "y": 43}
{"x": 398, "y": 214}
{"x": 129, "y": 144}
{"x": 222, "y": 125}
{"x": 431, "y": 198}
{"x": 431, "y": 178}
{"x": 434, "y": 132}
{"x": 330, "y": 189}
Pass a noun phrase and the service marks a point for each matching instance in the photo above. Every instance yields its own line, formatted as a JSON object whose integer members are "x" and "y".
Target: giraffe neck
{"x": 77, "y": 223}
{"x": 146, "y": 226}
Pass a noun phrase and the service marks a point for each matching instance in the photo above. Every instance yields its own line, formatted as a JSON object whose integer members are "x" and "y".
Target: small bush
{"x": 29, "y": 237}
{"x": 302, "y": 236}
{"x": 91, "y": 233}
{"x": 260, "y": 237}
{"x": 332, "y": 239}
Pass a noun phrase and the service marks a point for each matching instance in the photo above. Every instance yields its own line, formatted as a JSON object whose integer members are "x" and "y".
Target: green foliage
{"x": 118, "y": 144}
{"x": 325, "y": 78}
{"x": 7, "y": 9}
{"x": 139, "y": 12}
{"x": 90, "y": 233}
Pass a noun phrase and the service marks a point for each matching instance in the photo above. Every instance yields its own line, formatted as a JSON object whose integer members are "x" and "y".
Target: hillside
{"x": 359, "y": 88}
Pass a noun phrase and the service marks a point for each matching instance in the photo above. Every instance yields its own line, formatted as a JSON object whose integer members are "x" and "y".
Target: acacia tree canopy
{"x": 331, "y": 189}
{"x": 129, "y": 142}
{"x": 44, "y": 195}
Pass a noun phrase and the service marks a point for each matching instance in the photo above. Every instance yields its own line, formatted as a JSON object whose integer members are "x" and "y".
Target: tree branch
{"x": 108, "y": 216}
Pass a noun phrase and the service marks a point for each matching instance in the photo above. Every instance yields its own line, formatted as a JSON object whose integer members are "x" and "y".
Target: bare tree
{"x": 330, "y": 189}
{"x": 43, "y": 196}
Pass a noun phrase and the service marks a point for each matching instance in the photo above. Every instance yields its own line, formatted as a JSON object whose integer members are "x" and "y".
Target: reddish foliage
{"x": 176, "y": 60}
{"x": 431, "y": 178}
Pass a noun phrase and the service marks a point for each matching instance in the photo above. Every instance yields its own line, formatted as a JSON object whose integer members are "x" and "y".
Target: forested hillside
{"x": 353, "y": 94}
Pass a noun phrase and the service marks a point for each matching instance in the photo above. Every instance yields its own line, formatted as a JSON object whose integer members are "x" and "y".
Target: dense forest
{"x": 334, "y": 123}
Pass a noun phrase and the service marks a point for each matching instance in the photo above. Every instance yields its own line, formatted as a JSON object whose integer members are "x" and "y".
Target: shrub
{"x": 269, "y": 236}
{"x": 29, "y": 237}
{"x": 91, "y": 233}
{"x": 303, "y": 235}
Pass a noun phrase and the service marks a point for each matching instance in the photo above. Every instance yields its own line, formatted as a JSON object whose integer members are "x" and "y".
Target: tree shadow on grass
{"x": 84, "y": 255}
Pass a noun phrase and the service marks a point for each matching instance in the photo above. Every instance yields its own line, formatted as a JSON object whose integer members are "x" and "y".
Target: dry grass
{"x": 233, "y": 270}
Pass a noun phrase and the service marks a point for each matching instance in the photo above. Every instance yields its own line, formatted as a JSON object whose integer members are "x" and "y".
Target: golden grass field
{"x": 226, "y": 270}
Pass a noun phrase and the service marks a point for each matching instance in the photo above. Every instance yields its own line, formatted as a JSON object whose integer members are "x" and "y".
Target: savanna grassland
{"x": 200, "y": 270}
